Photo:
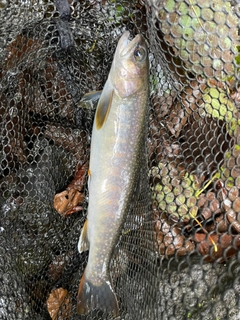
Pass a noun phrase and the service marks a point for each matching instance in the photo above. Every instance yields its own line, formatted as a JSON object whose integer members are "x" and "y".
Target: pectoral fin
{"x": 91, "y": 96}
{"x": 104, "y": 105}
{"x": 89, "y": 102}
{"x": 83, "y": 243}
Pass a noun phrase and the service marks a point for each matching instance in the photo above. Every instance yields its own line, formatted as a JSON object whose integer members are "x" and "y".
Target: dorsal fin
{"x": 104, "y": 105}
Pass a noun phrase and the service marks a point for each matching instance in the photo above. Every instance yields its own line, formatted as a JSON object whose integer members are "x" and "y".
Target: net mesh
{"x": 178, "y": 253}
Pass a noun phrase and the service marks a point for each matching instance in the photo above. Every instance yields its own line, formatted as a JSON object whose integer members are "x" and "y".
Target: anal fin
{"x": 83, "y": 243}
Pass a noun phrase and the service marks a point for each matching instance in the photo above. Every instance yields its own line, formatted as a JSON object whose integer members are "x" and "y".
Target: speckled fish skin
{"x": 118, "y": 137}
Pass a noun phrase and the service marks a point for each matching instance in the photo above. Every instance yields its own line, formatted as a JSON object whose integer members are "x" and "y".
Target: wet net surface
{"x": 178, "y": 254}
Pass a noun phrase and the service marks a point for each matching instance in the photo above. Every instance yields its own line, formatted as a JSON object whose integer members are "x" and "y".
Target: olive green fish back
{"x": 178, "y": 251}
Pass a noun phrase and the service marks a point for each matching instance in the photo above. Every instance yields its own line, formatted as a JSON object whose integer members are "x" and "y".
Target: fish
{"x": 116, "y": 153}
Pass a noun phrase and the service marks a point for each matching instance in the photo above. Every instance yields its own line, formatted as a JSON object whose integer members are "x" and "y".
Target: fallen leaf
{"x": 70, "y": 200}
{"x": 55, "y": 300}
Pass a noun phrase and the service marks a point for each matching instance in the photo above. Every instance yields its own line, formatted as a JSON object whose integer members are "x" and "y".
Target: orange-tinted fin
{"x": 104, "y": 105}
{"x": 83, "y": 243}
{"x": 92, "y": 297}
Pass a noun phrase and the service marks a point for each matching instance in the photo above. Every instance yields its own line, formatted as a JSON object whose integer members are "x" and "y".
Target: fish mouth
{"x": 125, "y": 44}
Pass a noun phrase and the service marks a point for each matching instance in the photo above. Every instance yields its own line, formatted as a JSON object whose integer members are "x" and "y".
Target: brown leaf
{"x": 72, "y": 140}
{"x": 55, "y": 300}
{"x": 70, "y": 200}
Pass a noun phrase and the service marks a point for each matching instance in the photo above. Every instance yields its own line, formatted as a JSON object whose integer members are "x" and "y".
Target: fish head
{"x": 130, "y": 67}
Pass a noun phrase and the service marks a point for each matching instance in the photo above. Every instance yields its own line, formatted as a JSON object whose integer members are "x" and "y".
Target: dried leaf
{"x": 70, "y": 200}
{"x": 55, "y": 300}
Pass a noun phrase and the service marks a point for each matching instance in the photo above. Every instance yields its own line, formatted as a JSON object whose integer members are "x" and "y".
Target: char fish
{"x": 118, "y": 136}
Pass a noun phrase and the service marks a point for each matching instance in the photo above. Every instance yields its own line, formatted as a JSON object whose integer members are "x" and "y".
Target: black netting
{"x": 178, "y": 251}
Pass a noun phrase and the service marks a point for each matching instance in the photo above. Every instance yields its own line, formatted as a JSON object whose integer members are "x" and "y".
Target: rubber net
{"x": 178, "y": 252}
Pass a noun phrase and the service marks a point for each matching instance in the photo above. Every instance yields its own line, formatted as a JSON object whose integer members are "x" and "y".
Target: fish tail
{"x": 96, "y": 297}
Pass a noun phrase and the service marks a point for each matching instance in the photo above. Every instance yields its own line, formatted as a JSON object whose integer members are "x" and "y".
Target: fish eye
{"x": 139, "y": 54}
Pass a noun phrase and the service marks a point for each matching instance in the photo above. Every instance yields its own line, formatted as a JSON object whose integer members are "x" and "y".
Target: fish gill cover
{"x": 177, "y": 254}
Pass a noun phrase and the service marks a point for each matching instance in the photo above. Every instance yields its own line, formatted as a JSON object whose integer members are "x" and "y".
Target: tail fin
{"x": 96, "y": 297}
